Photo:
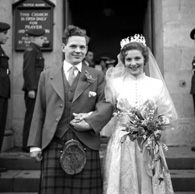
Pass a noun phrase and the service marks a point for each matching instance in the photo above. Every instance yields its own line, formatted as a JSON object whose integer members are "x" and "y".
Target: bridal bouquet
{"x": 145, "y": 126}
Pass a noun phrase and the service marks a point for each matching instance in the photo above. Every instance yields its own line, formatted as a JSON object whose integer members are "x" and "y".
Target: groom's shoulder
{"x": 51, "y": 69}
{"x": 94, "y": 71}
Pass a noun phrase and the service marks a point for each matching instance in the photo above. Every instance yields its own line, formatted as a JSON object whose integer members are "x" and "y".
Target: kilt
{"x": 55, "y": 181}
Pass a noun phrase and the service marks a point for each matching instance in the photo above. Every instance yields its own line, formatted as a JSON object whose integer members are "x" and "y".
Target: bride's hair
{"x": 134, "y": 46}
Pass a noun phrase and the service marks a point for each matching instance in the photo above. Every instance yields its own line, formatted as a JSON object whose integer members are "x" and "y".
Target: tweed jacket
{"x": 50, "y": 103}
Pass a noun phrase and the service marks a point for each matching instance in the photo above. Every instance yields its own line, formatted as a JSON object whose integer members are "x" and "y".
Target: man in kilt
{"x": 70, "y": 107}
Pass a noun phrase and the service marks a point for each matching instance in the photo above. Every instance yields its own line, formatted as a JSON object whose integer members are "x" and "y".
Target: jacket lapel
{"x": 57, "y": 81}
{"x": 82, "y": 83}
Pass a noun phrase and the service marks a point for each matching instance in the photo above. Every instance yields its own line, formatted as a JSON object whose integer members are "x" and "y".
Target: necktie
{"x": 71, "y": 75}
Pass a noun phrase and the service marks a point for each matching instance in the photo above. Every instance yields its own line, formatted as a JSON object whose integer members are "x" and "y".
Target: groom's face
{"x": 75, "y": 49}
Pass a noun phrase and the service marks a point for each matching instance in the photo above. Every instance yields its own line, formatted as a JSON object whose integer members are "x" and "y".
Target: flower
{"x": 144, "y": 125}
{"x": 88, "y": 77}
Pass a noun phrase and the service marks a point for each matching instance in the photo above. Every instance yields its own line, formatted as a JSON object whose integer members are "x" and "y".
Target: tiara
{"x": 135, "y": 38}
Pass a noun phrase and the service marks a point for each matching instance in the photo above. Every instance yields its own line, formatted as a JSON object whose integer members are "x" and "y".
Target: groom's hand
{"x": 37, "y": 155}
{"x": 81, "y": 125}
{"x": 80, "y": 116}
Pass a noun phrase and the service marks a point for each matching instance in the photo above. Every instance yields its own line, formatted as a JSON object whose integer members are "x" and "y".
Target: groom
{"x": 70, "y": 105}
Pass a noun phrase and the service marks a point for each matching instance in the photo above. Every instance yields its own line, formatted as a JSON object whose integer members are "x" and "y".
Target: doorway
{"x": 107, "y": 22}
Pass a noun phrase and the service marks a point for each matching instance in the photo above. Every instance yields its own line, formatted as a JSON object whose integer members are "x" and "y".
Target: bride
{"x": 134, "y": 161}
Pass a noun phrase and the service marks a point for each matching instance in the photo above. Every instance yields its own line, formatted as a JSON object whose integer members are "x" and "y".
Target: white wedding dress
{"x": 125, "y": 165}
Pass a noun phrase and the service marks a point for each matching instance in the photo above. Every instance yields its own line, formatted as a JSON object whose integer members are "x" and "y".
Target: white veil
{"x": 120, "y": 71}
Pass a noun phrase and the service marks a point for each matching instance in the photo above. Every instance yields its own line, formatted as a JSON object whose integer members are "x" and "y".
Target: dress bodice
{"x": 134, "y": 91}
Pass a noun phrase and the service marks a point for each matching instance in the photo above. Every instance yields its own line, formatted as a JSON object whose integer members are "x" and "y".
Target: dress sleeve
{"x": 165, "y": 104}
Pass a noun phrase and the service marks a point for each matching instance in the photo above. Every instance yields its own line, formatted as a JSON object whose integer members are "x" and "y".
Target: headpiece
{"x": 136, "y": 38}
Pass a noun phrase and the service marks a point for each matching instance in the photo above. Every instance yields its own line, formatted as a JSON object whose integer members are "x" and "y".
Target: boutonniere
{"x": 88, "y": 77}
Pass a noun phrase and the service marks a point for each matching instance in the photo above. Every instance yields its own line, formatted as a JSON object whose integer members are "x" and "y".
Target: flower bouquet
{"x": 144, "y": 125}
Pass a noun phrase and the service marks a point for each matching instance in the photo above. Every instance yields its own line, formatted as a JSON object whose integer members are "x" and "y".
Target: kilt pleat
{"x": 55, "y": 181}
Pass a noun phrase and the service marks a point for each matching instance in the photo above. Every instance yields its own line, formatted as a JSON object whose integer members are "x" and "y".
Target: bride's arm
{"x": 165, "y": 105}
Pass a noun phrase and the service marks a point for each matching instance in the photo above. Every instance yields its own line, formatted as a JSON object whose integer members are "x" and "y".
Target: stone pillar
{"x": 174, "y": 51}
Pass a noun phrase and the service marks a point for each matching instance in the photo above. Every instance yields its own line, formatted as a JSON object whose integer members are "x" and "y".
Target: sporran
{"x": 73, "y": 157}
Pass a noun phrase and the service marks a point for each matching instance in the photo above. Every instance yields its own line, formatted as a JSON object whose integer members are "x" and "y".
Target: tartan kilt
{"x": 55, "y": 181}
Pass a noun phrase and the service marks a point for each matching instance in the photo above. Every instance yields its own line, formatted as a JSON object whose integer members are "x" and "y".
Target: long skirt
{"x": 55, "y": 181}
{"x": 126, "y": 168}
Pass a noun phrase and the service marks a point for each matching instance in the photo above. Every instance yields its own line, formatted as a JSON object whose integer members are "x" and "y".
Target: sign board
{"x": 33, "y": 14}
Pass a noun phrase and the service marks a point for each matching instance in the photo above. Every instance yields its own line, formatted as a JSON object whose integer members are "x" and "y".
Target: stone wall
{"x": 16, "y": 103}
{"x": 175, "y": 51}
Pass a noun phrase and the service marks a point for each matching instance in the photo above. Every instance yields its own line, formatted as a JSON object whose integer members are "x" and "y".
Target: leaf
{"x": 141, "y": 142}
{"x": 124, "y": 138}
{"x": 156, "y": 113}
{"x": 163, "y": 164}
{"x": 139, "y": 115}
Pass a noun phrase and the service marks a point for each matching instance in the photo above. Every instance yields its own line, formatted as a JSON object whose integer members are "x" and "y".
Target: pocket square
{"x": 92, "y": 94}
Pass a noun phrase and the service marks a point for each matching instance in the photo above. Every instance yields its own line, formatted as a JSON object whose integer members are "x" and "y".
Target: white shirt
{"x": 67, "y": 66}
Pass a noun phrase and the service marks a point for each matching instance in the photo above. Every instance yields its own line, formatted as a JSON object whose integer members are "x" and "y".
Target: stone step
{"x": 37, "y": 193}
{"x": 183, "y": 180}
{"x": 23, "y": 172}
{"x": 18, "y": 193}
{"x": 193, "y": 192}
{"x": 177, "y": 158}
{"x": 180, "y": 157}
{"x": 20, "y": 181}
{"x": 28, "y": 181}
{"x": 18, "y": 161}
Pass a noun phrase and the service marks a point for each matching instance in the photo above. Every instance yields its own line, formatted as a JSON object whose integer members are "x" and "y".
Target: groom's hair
{"x": 74, "y": 31}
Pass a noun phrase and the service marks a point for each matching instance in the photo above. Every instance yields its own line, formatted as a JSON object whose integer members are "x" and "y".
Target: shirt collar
{"x": 67, "y": 66}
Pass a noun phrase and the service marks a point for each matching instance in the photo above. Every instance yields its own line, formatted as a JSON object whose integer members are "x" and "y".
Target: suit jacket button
{"x": 61, "y": 105}
{"x": 57, "y": 120}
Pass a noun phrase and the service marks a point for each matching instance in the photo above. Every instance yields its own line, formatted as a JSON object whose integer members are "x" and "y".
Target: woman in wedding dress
{"x": 128, "y": 167}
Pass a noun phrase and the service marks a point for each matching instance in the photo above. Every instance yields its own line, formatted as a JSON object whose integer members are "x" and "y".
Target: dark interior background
{"x": 107, "y": 22}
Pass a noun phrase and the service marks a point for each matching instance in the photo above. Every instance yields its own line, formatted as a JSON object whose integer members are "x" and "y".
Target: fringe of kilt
{"x": 55, "y": 181}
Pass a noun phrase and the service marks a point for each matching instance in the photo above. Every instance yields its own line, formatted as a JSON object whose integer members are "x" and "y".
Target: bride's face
{"x": 134, "y": 61}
